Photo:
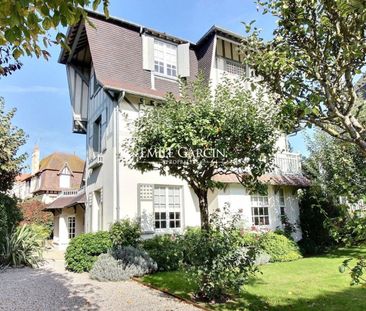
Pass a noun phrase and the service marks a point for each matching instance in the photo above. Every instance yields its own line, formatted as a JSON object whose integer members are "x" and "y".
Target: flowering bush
{"x": 217, "y": 261}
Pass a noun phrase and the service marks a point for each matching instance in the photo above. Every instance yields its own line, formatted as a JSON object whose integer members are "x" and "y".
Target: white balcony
{"x": 96, "y": 161}
{"x": 287, "y": 163}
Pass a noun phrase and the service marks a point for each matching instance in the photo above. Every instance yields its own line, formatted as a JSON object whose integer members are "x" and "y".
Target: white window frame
{"x": 71, "y": 234}
{"x": 65, "y": 178}
{"x": 260, "y": 203}
{"x": 164, "y": 59}
{"x": 282, "y": 201}
{"x": 167, "y": 203}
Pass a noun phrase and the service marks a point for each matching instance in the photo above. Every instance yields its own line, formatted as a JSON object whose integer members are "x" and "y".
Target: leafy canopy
{"x": 203, "y": 133}
{"x": 339, "y": 168}
{"x": 11, "y": 138}
{"x": 232, "y": 121}
{"x": 25, "y": 27}
{"x": 317, "y": 51}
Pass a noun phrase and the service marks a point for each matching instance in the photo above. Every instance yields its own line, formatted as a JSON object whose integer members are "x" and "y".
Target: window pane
{"x": 163, "y": 224}
{"x": 162, "y": 215}
{"x": 157, "y": 224}
{"x": 177, "y": 224}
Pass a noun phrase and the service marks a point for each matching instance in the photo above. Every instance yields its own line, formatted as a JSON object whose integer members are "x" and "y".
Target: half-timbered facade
{"x": 114, "y": 69}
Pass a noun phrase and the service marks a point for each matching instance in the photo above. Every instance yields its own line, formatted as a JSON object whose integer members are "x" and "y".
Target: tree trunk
{"x": 203, "y": 205}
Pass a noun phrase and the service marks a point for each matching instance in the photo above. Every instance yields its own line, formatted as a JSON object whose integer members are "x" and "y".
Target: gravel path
{"x": 52, "y": 288}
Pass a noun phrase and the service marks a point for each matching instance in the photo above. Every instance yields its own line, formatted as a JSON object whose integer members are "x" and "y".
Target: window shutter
{"x": 104, "y": 130}
{"x": 183, "y": 60}
{"x": 147, "y": 53}
{"x": 146, "y": 206}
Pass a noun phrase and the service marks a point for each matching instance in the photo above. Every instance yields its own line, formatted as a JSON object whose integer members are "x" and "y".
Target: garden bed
{"x": 306, "y": 284}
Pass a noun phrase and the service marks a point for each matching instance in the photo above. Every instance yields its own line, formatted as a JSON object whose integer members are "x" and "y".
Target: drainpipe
{"x": 117, "y": 155}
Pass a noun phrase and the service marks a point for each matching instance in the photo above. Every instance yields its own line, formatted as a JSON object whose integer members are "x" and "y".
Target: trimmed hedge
{"x": 279, "y": 247}
{"x": 84, "y": 250}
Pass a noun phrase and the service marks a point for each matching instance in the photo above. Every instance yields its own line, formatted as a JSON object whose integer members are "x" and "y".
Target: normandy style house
{"x": 49, "y": 177}
{"x": 116, "y": 68}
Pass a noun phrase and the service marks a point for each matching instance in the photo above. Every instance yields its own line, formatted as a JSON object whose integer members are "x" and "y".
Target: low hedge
{"x": 279, "y": 247}
{"x": 84, "y": 249}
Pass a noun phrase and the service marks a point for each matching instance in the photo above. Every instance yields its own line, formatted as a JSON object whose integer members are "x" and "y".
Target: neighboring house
{"x": 113, "y": 70}
{"x": 49, "y": 176}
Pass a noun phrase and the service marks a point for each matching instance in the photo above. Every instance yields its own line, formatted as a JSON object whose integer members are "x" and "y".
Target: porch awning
{"x": 65, "y": 201}
{"x": 276, "y": 180}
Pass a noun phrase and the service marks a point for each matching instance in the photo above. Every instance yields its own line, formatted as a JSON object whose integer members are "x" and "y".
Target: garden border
{"x": 170, "y": 294}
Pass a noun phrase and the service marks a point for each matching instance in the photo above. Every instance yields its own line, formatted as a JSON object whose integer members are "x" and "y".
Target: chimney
{"x": 35, "y": 159}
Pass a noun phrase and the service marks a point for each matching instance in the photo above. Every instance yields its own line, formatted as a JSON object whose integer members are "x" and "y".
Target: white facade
{"x": 163, "y": 204}
{"x": 114, "y": 191}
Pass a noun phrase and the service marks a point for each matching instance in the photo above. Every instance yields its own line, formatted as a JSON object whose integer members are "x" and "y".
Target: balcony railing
{"x": 287, "y": 163}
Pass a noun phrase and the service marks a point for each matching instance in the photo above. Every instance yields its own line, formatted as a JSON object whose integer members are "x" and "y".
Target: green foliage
{"x": 199, "y": 134}
{"x": 216, "y": 261}
{"x": 166, "y": 250}
{"x": 122, "y": 264}
{"x": 317, "y": 51}
{"x": 10, "y": 216}
{"x": 42, "y": 231}
{"x": 349, "y": 229}
{"x": 84, "y": 249}
{"x": 339, "y": 168}
{"x": 25, "y": 26}
{"x": 279, "y": 247}
{"x": 316, "y": 206}
{"x": 356, "y": 272}
{"x": 11, "y": 138}
{"x": 22, "y": 246}
{"x": 125, "y": 233}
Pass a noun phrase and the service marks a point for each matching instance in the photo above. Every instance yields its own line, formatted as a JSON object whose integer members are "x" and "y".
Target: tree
{"x": 312, "y": 62}
{"x": 24, "y": 24}
{"x": 338, "y": 167}
{"x": 200, "y": 135}
{"x": 33, "y": 212}
{"x": 11, "y": 138}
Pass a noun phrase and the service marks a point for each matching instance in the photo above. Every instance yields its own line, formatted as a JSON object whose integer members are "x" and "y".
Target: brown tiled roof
{"x": 22, "y": 177}
{"x": 67, "y": 201}
{"x": 56, "y": 161}
{"x": 278, "y": 180}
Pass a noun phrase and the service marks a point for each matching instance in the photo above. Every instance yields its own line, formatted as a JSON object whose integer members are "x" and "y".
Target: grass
{"x": 306, "y": 284}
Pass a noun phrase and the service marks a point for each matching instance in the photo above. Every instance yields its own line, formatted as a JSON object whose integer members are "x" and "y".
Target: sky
{"x": 39, "y": 90}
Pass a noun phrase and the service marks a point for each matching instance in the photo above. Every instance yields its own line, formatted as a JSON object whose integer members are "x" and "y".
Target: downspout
{"x": 117, "y": 155}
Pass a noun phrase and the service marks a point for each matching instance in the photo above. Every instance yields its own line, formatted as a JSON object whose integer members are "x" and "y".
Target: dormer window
{"x": 165, "y": 58}
{"x": 65, "y": 178}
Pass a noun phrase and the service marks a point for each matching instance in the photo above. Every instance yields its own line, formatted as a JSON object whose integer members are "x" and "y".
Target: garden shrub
{"x": 22, "y": 247}
{"x": 216, "y": 261}
{"x": 165, "y": 250}
{"x": 279, "y": 247}
{"x": 121, "y": 264}
{"x": 308, "y": 247}
{"x": 250, "y": 238}
{"x": 42, "y": 231}
{"x": 10, "y": 216}
{"x": 34, "y": 213}
{"x": 315, "y": 208}
{"x": 348, "y": 229}
{"x": 134, "y": 256}
{"x": 84, "y": 249}
{"x": 107, "y": 268}
{"x": 125, "y": 233}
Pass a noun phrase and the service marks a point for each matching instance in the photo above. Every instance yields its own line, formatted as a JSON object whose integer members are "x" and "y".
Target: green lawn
{"x": 306, "y": 284}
